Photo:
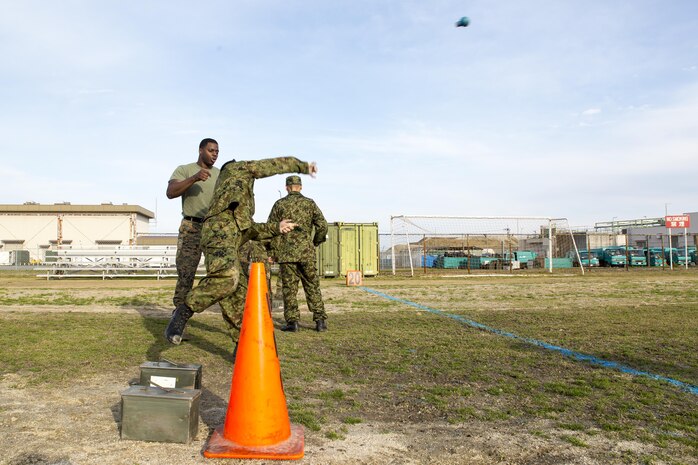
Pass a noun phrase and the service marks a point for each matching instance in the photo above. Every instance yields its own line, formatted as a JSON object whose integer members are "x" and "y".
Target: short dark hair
{"x": 205, "y": 142}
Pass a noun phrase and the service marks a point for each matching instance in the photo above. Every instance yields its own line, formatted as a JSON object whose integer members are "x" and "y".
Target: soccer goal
{"x": 475, "y": 243}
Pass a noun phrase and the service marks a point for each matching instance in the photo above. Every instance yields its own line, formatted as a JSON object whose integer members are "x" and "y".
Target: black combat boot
{"x": 320, "y": 326}
{"x": 178, "y": 322}
{"x": 291, "y": 327}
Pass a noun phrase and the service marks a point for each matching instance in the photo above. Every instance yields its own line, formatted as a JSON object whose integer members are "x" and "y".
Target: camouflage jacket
{"x": 232, "y": 206}
{"x": 298, "y": 245}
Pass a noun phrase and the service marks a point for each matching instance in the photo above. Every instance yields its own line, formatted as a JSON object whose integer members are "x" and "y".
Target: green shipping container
{"x": 349, "y": 246}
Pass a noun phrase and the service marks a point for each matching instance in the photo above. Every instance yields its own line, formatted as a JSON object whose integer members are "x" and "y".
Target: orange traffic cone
{"x": 257, "y": 424}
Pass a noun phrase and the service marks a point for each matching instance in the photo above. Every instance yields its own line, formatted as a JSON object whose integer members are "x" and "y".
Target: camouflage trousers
{"x": 278, "y": 292}
{"x": 188, "y": 258}
{"x": 246, "y": 266}
{"x": 306, "y": 273}
{"x": 225, "y": 283}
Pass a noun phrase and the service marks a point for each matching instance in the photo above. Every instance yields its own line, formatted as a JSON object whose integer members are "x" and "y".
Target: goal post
{"x": 474, "y": 243}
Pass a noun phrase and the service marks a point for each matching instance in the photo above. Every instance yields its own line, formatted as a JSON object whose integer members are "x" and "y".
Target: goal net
{"x": 474, "y": 243}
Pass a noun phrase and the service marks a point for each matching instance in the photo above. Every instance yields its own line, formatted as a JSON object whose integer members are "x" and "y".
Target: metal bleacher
{"x": 115, "y": 262}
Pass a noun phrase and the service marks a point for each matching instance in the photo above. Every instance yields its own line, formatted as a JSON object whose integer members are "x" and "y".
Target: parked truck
{"x": 526, "y": 258}
{"x": 671, "y": 256}
{"x": 520, "y": 259}
{"x": 683, "y": 256}
{"x": 655, "y": 256}
{"x": 637, "y": 257}
{"x": 611, "y": 256}
{"x": 588, "y": 259}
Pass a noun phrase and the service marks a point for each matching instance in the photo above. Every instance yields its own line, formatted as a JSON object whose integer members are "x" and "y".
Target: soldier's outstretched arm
{"x": 280, "y": 165}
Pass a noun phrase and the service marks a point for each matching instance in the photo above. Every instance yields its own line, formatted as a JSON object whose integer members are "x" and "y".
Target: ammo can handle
{"x": 171, "y": 362}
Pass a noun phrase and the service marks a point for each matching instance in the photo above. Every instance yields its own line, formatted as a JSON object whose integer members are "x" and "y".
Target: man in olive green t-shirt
{"x": 193, "y": 182}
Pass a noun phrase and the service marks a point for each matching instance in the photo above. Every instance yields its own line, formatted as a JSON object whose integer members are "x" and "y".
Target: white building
{"x": 40, "y": 227}
{"x": 661, "y": 236}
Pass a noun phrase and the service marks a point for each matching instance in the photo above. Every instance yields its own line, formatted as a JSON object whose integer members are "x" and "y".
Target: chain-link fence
{"x": 477, "y": 244}
{"x": 511, "y": 253}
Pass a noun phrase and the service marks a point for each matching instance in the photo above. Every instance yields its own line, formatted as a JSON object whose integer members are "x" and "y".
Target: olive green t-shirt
{"x": 197, "y": 198}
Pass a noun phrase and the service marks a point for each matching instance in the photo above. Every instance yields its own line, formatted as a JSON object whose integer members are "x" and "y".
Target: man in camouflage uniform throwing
{"x": 227, "y": 225}
{"x": 295, "y": 253}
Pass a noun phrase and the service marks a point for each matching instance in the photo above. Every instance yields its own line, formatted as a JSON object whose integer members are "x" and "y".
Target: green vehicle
{"x": 611, "y": 256}
{"x": 676, "y": 256}
{"x": 526, "y": 258}
{"x": 637, "y": 257}
{"x": 693, "y": 260}
{"x": 684, "y": 257}
{"x": 633, "y": 256}
{"x": 671, "y": 256}
{"x": 655, "y": 256}
{"x": 588, "y": 259}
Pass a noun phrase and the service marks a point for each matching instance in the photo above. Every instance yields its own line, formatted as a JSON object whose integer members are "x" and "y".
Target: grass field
{"x": 434, "y": 388}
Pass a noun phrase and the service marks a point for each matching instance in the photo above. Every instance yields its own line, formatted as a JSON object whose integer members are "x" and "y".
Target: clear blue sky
{"x": 586, "y": 109}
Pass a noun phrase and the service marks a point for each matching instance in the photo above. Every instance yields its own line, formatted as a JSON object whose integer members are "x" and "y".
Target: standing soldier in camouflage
{"x": 227, "y": 226}
{"x": 194, "y": 183}
{"x": 295, "y": 253}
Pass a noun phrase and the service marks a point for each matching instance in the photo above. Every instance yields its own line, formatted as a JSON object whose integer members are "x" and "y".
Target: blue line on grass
{"x": 566, "y": 352}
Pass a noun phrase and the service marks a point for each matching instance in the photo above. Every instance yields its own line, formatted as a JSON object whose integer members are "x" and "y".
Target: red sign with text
{"x": 677, "y": 221}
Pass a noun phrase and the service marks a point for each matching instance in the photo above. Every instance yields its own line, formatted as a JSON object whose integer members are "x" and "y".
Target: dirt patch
{"x": 80, "y": 425}
{"x": 163, "y": 312}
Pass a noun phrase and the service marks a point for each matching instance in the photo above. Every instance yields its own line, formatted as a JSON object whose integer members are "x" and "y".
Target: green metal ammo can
{"x": 160, "y": 415}
{"x": 168, "y": 374}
